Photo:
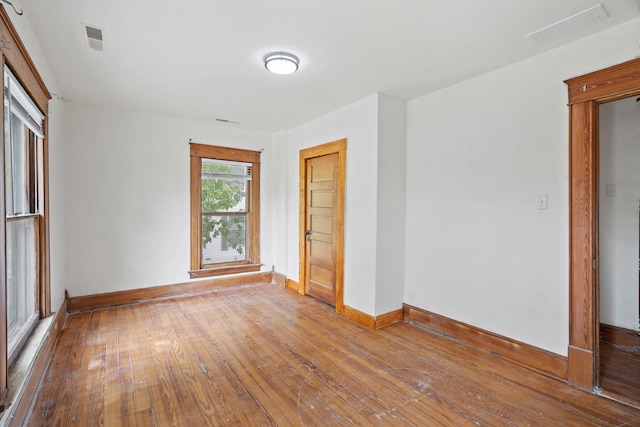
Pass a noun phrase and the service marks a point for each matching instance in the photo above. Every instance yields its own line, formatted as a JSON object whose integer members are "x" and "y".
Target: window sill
{"x": 219, "y": 271}
{"x": 24, "y": 367}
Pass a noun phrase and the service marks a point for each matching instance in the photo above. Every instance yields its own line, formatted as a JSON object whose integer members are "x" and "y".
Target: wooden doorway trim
{"x": 585, "y": 94}
{"x": 339, "y": 147}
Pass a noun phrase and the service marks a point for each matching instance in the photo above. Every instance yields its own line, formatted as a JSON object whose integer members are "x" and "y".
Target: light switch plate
{"x": 543, "y": 201}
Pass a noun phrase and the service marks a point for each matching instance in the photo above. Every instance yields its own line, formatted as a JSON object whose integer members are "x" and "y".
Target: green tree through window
{"x": 222, "y": 193}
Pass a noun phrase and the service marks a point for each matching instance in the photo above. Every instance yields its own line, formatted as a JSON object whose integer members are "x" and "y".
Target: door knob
{"x": 308, "y": 234}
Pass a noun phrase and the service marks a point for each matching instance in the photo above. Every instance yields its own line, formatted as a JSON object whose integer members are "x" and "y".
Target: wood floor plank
{"x": 145, "y": 418}
{"x": 620, "y": 369}
{"x": 232, "y": 358}
{"x": 538, "y": 395}
{"x": 261, "y": 355}
{"x": 344, "y": 401}
{"x": 119, "y": 393}
{"x": 66, "y": 397}
{"x": 274, "y": 336}
{"x": 90, "y": 410}
{"x": 140, "y": 357}
{"x": 164, "y": 395}
{"x": 193, "y": 400}
{"x": 58, "y": 401}
{"x": 368, "y": 362}
{"x": 258, "y": 358}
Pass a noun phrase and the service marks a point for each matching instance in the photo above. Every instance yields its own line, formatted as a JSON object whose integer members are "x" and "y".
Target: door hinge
{"x": 595, "y": 263}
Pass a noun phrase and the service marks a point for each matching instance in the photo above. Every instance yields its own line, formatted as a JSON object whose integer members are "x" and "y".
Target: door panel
{"x": 323, "y": 173}
{"x": 322, "y": 198}
{"x": 321, "y": 217}
{"x": 321, "y": 282}
{"x": 321, "y": 250}
{"x": 322, "y": 224}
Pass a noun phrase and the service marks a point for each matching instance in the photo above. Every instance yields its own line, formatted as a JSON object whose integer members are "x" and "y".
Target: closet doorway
{"x": 587, "y": 94}
{"x": 619, "y": 254}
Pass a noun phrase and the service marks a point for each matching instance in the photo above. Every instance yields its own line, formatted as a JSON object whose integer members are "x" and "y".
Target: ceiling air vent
{"x": 94, "y": 37}
{"x": 569, "y": 25}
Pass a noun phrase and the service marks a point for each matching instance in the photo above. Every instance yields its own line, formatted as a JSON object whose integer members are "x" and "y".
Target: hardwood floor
{"x": 620, "y": 362}
{"x": 262, "y": 355}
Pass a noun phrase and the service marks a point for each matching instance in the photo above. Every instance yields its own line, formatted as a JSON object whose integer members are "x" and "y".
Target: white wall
{"x": 478, "y": 155}
{"x": 390, "y": 245}
{"x": 358, "y": 123}
{"x": 127, "y": 196}
{"x": 55, "y": 139}
{"x": 57, "y": 230}
{"x": 619, "y": 233}
{"x": 375, "y": 129}
{"x": 280, "y": 199}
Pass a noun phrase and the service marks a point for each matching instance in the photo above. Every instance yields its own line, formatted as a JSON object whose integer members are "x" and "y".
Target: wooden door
{"x": 323, "y": 171}
{"x": 320, "y": 230}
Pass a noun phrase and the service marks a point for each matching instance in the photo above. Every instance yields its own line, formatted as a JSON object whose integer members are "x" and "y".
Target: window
{"x": 23, "y": 151}
{"x": 24, "y": 224}
{"x": 225, "y": 198}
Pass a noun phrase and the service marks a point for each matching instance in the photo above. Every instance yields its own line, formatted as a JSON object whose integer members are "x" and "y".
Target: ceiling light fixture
{"x": 281, "y": 63}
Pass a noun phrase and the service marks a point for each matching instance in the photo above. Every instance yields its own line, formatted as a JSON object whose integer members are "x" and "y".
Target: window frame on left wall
{"x": 24, "y": 210}
{"x": 252, "y": 262}
{"x": 14, "y": 55}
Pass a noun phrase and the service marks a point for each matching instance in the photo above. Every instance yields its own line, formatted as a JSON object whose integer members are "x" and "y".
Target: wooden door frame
{"x": 586, "y": 93}
{"x": 339, "y": 147}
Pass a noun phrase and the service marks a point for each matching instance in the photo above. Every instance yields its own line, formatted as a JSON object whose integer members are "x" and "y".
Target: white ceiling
{"x": 202, "y": 59}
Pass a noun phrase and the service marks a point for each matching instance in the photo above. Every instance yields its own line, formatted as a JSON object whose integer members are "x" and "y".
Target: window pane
{"x": 21, "y": 275}
{"x": 16, "y": 176}
{"x": 223, "y": 187}
{"x": 224, "y": 238}
{"x": 20, "y": 149}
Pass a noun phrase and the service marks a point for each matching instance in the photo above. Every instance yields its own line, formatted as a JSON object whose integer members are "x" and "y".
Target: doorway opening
{"x": 586, "y": 94}
{"x": 619, "y": 244}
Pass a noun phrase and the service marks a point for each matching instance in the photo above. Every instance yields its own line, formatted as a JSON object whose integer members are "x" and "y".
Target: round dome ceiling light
{"x": 281, "y": 63}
